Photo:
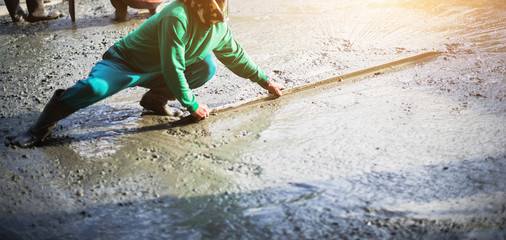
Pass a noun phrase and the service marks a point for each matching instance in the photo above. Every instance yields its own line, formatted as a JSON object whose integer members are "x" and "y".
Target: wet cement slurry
{"x": 414, "y": 154}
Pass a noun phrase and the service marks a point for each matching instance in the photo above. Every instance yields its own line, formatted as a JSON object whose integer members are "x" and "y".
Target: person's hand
{"x": 201, "y": 113}
{"x": 274, "y": 88}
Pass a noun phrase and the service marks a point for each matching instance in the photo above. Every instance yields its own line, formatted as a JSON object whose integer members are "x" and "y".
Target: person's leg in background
{"x": 121, "y": 7}
{"x": 120, "y": 13}
{"x": 37, "y": 12}
{"x": 15, "y": 11}
{"x": 151, "y": 5}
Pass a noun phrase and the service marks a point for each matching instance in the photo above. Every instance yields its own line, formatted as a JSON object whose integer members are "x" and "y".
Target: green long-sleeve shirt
{"x": 173, "y": 39}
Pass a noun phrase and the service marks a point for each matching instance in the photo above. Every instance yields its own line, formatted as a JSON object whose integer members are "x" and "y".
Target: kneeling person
{"x": 170, "y": 54}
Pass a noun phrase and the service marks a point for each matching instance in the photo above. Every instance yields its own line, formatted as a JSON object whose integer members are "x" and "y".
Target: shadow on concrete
{"x": 342, "y": 208}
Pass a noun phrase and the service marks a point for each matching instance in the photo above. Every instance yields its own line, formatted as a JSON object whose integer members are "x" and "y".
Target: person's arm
{"x": 273, "y": 87}
{"x": 233, "y": 56}
{"x": 172, "y": 47}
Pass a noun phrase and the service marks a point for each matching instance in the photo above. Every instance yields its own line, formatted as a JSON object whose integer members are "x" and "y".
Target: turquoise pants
{"x": 113, "y": 74}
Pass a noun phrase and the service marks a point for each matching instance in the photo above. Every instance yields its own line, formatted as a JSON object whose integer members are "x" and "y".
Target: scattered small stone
{"x": 15, "y": 178}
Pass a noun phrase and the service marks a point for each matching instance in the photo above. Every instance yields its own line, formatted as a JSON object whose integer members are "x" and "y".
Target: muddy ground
{"x": 415, "y": 154}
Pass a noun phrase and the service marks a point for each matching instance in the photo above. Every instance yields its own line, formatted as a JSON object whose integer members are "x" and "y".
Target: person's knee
{"x": 201, "y": 73}
{"x": 211, "y": 71}
{"x": 208, "y": 69}
{"x": 96, "y": 88}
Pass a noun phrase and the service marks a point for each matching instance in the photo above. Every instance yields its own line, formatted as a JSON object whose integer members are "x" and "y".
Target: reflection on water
{"x": 411, "y": 23}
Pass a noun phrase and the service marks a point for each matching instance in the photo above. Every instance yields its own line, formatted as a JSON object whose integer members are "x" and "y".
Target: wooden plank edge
{"x": 349, "y": 77}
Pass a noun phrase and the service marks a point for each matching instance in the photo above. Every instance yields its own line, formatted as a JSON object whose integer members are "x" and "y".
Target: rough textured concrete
{"x": 415, "y": 154}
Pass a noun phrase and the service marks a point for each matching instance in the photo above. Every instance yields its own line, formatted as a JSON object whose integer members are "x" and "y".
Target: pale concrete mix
{"x": 413, "y": 154}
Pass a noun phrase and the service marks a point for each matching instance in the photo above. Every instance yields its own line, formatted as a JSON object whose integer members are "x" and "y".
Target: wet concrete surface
{"x": 415, "y": 154}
